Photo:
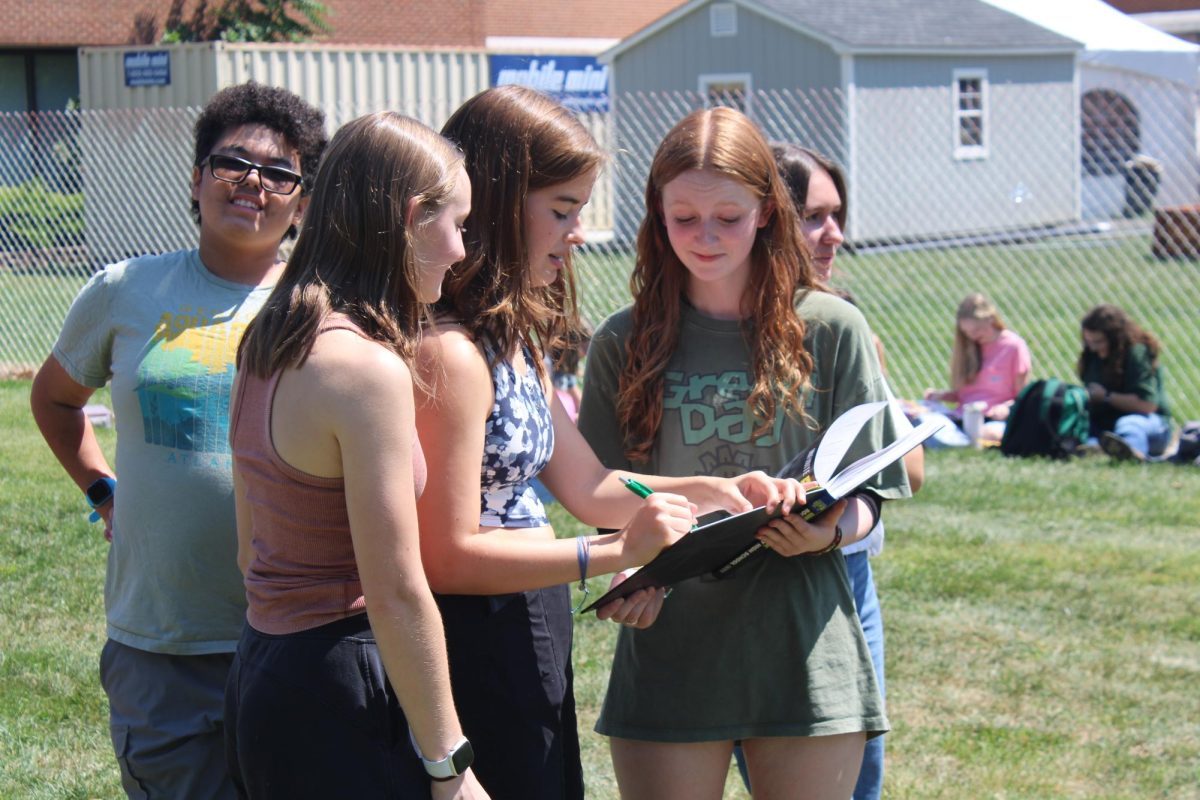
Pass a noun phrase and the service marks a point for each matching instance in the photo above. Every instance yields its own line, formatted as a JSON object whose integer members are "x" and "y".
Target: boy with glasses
{"x": 165, "y": 330}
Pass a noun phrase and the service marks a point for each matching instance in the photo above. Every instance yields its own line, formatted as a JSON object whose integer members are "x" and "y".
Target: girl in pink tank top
{"x": 340, "y": 686}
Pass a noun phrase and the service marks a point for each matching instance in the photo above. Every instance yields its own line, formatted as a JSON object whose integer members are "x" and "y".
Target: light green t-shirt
{"x": 165, "y": 330}
{"x": 776, "y": 648}
{"x": 705, "y": 430}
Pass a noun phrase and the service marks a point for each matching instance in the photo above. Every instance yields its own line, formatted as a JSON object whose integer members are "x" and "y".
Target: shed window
{"x": 970, "y": 114}
{"x": 727, "y": 90}
{"x": 722, "y": 19}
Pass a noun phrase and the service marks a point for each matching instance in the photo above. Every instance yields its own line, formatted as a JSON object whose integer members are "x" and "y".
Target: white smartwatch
{"x": 456, "y": 762}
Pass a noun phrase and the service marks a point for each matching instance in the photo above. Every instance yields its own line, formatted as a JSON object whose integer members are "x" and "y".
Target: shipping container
{"x": 345, "y": 82}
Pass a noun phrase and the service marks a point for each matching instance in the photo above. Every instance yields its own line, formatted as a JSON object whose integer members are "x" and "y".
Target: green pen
{"x": 640, "y": 489}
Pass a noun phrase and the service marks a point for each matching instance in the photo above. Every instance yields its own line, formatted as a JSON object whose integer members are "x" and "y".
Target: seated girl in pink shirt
{"x": 989, "y": 364}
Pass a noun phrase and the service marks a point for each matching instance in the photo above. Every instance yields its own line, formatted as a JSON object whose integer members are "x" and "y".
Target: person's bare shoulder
{"x": 346, "y": 371}
{"x": 449, "y": 361}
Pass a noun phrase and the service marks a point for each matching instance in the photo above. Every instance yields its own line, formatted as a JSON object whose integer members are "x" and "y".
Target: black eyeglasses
{"x": 232, "y": 169}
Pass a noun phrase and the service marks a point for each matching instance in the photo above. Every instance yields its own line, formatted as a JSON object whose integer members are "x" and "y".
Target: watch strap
{"x": 100, "y": 491}
{"x": 456, "y": 762}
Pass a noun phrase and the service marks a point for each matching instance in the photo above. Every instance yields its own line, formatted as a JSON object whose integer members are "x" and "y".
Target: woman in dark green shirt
{"x": 1119, "y": 367}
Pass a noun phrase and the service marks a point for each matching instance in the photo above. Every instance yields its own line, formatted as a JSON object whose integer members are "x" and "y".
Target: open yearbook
{"x": 723, "y": 541}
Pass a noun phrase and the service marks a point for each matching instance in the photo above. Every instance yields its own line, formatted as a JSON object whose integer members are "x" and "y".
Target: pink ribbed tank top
{"x": 303, "y": 573}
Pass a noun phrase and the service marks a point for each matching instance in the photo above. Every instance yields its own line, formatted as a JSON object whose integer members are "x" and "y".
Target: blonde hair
{"x": 966, "y": 357}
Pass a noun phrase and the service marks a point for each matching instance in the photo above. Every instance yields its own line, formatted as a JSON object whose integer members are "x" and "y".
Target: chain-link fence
{"x": 1058, "y": 204}
{"x": 1043, "y": 220}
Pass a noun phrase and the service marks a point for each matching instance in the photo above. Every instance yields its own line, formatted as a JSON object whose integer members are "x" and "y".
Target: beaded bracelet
{"x": 833, "y": 545}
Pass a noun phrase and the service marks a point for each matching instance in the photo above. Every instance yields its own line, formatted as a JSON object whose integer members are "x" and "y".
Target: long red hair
{"x": 724, "y": 141}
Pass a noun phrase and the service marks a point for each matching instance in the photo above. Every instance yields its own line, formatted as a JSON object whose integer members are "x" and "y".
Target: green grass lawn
{"x": 32, "y": 308}
{"x": 54, "y": 739}
{"x": 1043, "y": 631}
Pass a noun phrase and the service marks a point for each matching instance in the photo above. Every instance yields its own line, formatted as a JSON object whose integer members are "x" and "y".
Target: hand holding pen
{"x": 641, "y": 609}
{"x": 662, "y": 520}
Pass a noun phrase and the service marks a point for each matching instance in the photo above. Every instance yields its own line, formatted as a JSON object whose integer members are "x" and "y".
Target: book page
{"x": 858, "y": 472}
{"x": 837, "y": 439}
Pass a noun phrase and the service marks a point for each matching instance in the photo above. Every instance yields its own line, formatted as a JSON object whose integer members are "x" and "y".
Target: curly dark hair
{"x": 1121, "y": 333}
{"x": 302, "y": 125}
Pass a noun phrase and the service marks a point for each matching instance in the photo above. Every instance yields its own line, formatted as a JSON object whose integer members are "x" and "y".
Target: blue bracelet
{"x": 583, "y": 553}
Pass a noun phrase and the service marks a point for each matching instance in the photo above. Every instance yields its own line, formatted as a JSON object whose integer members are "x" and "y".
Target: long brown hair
{"x": 354, "y": 257}
{"x": 724, "y": 141}
{"x": 967, "y": 356}
{"x": 1122, "y": 334}
{"x": 515, "y": 140}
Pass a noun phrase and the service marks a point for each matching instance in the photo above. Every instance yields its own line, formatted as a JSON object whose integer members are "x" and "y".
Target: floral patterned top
{"x": 518, "y": 443}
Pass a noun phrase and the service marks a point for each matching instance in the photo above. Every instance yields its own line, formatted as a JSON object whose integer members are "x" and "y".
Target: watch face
{"x": 462, "y": 757}
{"x": 99, "y": 492}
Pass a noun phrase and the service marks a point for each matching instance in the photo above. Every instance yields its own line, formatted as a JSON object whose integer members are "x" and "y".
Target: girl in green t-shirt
{"x": 733, "y": 357}
{"x": 1119, "y": 367}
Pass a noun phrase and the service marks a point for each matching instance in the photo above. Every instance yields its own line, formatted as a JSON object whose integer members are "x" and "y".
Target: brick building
{"x": 38, "y": 66}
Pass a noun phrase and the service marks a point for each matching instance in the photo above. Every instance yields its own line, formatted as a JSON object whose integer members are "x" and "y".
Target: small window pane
{"x": 732, "y": 94}
{"x": 970, "y": 132}
{"x": 12, "y": 83}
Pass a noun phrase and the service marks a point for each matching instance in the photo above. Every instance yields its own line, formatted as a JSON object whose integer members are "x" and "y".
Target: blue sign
{"x": 148, "y": 68}
{"x": 578, "y": 82}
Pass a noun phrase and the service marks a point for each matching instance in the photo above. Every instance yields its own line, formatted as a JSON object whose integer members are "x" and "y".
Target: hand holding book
{"x": 721, "y": 543}
{"x": 793, "y": 535}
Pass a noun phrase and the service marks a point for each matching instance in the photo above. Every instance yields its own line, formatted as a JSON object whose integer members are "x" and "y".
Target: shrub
{"x": 35, "y": 217}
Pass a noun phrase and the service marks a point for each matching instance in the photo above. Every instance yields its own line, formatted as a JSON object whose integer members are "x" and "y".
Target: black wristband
{"x": 873, "y": 502}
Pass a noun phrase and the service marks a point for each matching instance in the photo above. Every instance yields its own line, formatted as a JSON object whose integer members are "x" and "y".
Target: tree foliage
{"x": 246, "y": 21}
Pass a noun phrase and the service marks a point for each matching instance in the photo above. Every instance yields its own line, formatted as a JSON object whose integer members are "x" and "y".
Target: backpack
{"x": 1048, "y": 418}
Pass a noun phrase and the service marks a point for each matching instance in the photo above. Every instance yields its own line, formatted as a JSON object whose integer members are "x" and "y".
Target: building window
{"x": 970, "y": 113}
{"x": 727, "y": 90}
{"x": 722, "y": 19}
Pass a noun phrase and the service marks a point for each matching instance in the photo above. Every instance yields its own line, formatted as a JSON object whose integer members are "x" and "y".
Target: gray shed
{"x": 950, "y": 116}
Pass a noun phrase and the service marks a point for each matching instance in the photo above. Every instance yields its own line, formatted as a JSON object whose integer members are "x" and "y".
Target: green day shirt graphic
{"x": 184, "y": 381}
{"x": 707, "y": 411}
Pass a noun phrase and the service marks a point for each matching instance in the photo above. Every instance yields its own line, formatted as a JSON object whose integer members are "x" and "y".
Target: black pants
{"x": 510, "y": 668}
{"x": 311, "y": 715}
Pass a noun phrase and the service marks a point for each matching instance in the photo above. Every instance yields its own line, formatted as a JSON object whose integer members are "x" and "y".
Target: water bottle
{"x": 973, "y": 421}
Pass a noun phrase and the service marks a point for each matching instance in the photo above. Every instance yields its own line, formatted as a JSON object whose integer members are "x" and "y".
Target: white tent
{"x": 1111, "y": 38}
{"x": 1134, "y": 69}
